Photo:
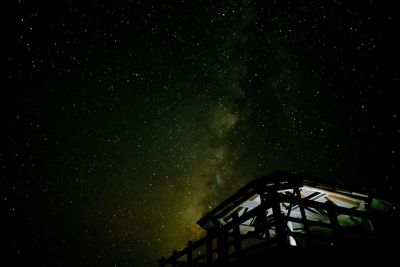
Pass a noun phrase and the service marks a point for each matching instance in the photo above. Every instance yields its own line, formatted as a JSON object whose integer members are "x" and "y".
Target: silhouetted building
{"x": 288, "y": 211}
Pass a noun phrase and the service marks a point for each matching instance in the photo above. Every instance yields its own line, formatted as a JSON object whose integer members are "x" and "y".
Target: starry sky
{"x": 124, "y": 122}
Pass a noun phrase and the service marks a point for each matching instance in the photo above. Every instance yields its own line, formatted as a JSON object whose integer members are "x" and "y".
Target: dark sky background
{"x": 122, "y": 123}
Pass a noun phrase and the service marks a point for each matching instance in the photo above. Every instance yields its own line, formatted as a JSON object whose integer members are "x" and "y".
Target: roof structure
{"x": 286, "y": 210}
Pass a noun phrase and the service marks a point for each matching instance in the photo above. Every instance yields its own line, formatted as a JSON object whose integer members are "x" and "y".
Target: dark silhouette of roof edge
{"x": 250, "y": 188}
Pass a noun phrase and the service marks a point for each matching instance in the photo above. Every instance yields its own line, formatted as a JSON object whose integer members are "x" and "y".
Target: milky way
{"x": 126, "y": 122}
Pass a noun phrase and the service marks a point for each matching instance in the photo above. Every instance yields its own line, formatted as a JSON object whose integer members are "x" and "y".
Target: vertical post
{"x": 161, "y": 262}
{"x": 209, "y": 246}
{"x": 190, "y": 253}
{"x": 174, "y": 258}
{"x": 222, "y": 245}
{"x": 279, "y": 222}
{"x": 236, "y": 234}
{"x": 368, "y": 209}
{"x": 333, "y": 221}
{"x": 264, "y": 216}
{"x": 306, "y": 226}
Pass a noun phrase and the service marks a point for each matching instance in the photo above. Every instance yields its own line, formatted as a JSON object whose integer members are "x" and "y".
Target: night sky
{"x": 122, "y": 123}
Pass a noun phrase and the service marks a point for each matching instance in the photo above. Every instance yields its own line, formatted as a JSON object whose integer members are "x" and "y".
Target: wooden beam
{"x": 280, "y": 228}
{"x": 236, "y": 235}
{"x": 264, "y": 217}
{"x": 209, "y": 246}
{"x": 222, "y": 245}
{"x": 304, "y": 220}
{"x": 334, "y": 222}
{"x": 338, "y": 209}
{"x": 189, "y": 253}
{"x": 174, "y": 258}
